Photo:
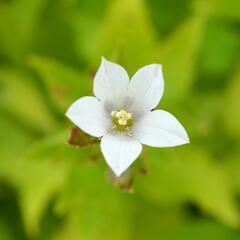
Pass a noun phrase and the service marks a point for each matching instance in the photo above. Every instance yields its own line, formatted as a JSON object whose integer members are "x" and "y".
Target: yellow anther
{"x": 129, "y": 116}
{"x": 113, "y": 113}
{"x": 122, "y": 121}
{"x": 122, "y": 118}
{"x": 118, "y": 115}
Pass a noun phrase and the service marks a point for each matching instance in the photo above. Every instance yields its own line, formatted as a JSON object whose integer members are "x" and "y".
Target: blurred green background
{"x": 49, "y": 52}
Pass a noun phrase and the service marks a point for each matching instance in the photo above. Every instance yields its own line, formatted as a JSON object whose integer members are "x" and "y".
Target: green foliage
{"x": 232, "y": 115}
{"x": 63, "y": 83}
{"x": 18, "y": 21}
{"x": 21, "y": 98}
{"x": 49, "y": 52}
{"x": 174, "y": 54}
{"x": 193, "y": 178}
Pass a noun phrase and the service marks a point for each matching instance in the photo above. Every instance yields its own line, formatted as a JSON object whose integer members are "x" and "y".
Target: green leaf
{"x": 10, "y": 217}
{"x": 37, "y": 170}
{"x": 231, "y": 107}
{"x": 167, "y": 15}
{"x": 174, "y": 223}
{"x": 85, "y": 23}
{"x": 12, "y": 136}
{"x": 225, "y": 8}
{"x": 64, "y": 84}
{"x": 40, "y": 175}
{"x": 16, "y": 25}
{"x": 35, "y": 181}
{"x": 179, "y": 57}
{"x": 126, "y": 30}
{"x": 219, "y": 52}
{"x": 201, "y": 229}
{"x": 41, "y": 181}
{"x": 232, "y": 168}
{"x": 83, "y": 192}
{"x": 219, "y": 48}
{"x": 187, "y": 174}
{"x": 90, "y": 202}
{"x": 21, "y": 98}
{"x": 47, "y": 165}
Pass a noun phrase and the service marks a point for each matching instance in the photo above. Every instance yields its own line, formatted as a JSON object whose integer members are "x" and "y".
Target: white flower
{"x": 121, "y": 114}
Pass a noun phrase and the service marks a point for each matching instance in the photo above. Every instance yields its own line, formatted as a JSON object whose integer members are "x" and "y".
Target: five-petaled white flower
{"x": 121, "y": 114}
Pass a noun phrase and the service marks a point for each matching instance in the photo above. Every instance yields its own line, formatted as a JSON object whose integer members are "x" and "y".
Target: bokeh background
{"x": 49, "y": 52}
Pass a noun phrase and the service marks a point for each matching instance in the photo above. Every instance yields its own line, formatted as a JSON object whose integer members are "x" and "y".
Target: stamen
{"x": 113, "y": 113}
{"x": 130, "y": 134}
{"x": 111, "y": 129}
{"x": 122, "y": 119}
{"x": 129, "y": 116}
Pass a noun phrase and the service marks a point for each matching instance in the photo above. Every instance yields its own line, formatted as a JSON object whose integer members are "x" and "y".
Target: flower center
{"x": 122, "y": 119}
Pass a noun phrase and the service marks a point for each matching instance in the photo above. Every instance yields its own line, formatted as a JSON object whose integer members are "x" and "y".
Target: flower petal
{"x": 160, "y": 129}
{"x": 120, "y": 151}
{"x": 88, "y": 114}
{"x": 111, "y": 82}
{"x": 145, "y": 88}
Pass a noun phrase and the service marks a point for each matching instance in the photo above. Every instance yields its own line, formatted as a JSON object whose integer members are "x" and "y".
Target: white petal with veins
{"x": 120, "y": 151}
{"x": 88, "y": 114}
{"x": 110, "y": 83}
{"x": 160, "y": 129}
{"x": 145, "y": 88}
